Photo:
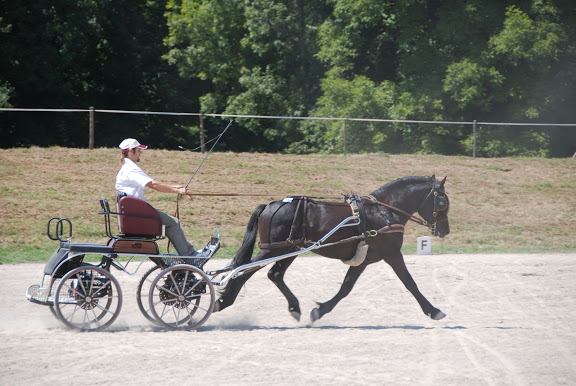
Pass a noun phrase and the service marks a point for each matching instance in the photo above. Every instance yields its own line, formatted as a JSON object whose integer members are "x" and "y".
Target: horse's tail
{"x": 244, "y": 254}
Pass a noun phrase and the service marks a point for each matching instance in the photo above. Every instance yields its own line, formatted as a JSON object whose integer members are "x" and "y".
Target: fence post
{"x": 474, "y": 140}
{"x": 91, "y": 129}
{"x": 344, "y": 136}
{"x": 202, "y": 144}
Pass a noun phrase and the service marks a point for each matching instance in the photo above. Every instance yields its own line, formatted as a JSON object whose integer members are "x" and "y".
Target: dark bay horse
{"x": 291, "y": 224}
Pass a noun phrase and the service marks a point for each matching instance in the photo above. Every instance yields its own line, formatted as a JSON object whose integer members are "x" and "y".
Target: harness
{"x": 297, "y": 236}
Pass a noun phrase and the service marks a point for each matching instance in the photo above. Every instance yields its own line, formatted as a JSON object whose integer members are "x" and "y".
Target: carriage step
{"x": 35, "y": 294}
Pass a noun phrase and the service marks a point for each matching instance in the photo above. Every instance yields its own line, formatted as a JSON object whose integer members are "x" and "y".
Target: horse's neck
{"x": 407, "y": 198}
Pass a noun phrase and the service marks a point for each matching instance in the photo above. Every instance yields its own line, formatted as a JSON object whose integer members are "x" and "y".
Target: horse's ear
{"x": 433, "y": 177}
{"x": 443, "y": 181}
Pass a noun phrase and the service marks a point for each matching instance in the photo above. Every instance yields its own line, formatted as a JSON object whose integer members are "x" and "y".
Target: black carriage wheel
{"x": 181, "y": 297}
{"x": 143, "y": 291}
{"x": 53, "y": 285}
{"x": 88, "y": 299}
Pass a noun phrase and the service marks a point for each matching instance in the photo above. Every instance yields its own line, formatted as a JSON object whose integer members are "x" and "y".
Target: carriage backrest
{"x": 138, "y": 218}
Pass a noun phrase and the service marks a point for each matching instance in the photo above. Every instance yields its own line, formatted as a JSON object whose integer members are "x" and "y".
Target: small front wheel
{"x": 88, "y": 298}
{"x": 181, "y": 297}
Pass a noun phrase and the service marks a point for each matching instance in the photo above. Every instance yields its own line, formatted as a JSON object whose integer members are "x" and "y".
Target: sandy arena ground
{"x": 511, "y": 321}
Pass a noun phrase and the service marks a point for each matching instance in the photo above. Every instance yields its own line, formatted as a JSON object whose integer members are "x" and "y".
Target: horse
{"x": 297, "y": 222}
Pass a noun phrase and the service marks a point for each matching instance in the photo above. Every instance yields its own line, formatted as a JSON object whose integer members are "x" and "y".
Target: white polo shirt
{"x": 132, "y": 180}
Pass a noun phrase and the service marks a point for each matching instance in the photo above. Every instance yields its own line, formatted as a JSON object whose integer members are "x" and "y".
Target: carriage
{"x": 177, "y": 293}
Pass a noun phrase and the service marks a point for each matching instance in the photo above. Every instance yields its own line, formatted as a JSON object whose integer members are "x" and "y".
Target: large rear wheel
{"x": 181, "y": 297}
{"x": 88, "y": 298}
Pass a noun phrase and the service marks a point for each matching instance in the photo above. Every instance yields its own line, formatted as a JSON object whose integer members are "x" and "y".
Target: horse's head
{"x": 434, "y": 209}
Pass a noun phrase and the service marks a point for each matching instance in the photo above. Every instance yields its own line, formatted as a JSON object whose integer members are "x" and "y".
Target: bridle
{"x": 440, "y": 205}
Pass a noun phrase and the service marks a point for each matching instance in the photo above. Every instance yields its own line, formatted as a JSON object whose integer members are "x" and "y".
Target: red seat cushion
{"x": 138, "y": 218}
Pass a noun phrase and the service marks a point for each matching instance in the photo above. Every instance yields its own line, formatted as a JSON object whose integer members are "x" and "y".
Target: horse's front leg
{"x": 396, "y": 261}
{"x": 276, "y": 274}
{"x": 351, "y": 277}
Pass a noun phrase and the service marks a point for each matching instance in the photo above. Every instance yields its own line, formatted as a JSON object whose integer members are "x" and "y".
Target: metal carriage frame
{"x": 176, "y": 293}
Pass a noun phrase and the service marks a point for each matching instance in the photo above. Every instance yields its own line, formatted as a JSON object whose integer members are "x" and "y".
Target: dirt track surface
{"x": 511, "y": 321}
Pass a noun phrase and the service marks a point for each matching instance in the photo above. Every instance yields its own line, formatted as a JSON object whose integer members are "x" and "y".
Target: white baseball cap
{"x": 131, "y": 143}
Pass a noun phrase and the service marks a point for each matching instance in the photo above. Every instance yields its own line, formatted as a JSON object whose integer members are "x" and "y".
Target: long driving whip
{"x": 210, "y": 151}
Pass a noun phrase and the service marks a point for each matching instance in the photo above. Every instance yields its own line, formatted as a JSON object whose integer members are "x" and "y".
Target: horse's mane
{"x": 401, "y": 183}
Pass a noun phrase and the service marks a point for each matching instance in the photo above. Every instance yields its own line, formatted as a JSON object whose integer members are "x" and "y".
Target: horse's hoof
{"x": 296, "y": 315}
{"x": 315, "y": 315}
{"x": 217, "y": 305}
{"x": 437, "y": 315}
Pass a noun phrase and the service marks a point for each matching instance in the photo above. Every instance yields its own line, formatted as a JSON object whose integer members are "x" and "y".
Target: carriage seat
{"x": 137, "y": 218}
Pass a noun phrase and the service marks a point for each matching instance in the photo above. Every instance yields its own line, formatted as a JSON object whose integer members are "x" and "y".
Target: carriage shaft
{"x": 239, "y": 271}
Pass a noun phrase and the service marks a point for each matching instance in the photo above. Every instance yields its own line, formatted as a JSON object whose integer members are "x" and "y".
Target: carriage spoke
{"x": 104, "y": 310}
{"x": 193, "y": 287}
{"x": 74, "y": 310}
{"x": 164, "y": 289}
{"x": 184, "y": 283}
{"x": 94, "y": 295}
{"x": 176, "y": 294}
{"x": 176, "y": 312}
{"x": 175, "y": 283}
{"x": 81, "y": 284}
{"x": 197, "y": 307}
{"x": 95, "y": 319}
{"x": 167, "y": 308}
{"x": 104, "y": 286}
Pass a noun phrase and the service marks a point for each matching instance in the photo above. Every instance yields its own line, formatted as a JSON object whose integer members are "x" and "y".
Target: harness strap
{"x": 280, "y": 244}
{"x": 357, "y": 207}
{"x": 410, "y": 217}
{"x": 394, "y": 228}
{"x": 298, "y": 221}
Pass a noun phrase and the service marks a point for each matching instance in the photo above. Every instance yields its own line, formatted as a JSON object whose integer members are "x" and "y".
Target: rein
{"x": 411, "y": 217}
{"x": 260, "y": 195}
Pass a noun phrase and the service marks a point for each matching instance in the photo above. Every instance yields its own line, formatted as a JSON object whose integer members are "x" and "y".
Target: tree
{"x": 76, "y": 54}
{"x": 510, "y": 79}
{"x": 436, "y": 60}
{"x": 451, "y": 60}
{"x": 258, "y": 58}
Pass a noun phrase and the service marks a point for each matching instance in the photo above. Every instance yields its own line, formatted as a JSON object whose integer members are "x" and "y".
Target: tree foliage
{"x": 76, "y": 54}
{"x": 447, "y": 60}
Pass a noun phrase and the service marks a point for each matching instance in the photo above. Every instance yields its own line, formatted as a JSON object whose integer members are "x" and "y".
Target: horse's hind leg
{"x": 231, "y": 291}
{"x": 351, "y": 277}
{"x": 396, "y": 261}
{"x": 276, "y": 274}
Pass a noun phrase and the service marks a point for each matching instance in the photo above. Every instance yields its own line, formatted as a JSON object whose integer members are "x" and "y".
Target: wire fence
{"x": 474, "y": 124}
